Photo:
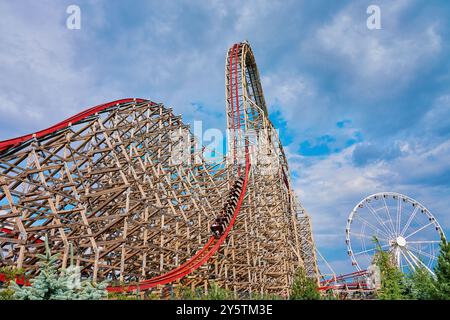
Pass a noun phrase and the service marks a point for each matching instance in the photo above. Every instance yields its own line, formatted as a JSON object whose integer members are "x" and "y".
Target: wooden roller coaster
{"x": 109, "y": 183}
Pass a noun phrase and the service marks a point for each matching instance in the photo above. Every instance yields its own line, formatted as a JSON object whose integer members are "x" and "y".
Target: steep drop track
{"x": 106, "y": 181}
{"x": 193, "y": 263}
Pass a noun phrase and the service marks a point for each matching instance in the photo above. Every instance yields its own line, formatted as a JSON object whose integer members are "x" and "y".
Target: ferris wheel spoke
{"x": 424, "y": 241}
{"x": 420, "y": 229}
{"x": 380, "y": 221}
{"x": 369, "y": 250}
{"x": 373, "y": 227}
{"x": 389, "y": 214}
{"x": 410, "y": 219}
{"x": 410, "y": 264}
{"x": 399, "y": 212}
{"x": 419, "y": 262}
{"x": 360, "y": 235}
{"x": 401, "y": 264}
{"x": 413, "y": 257}
{"x": 397, "y": 253}
{"x": 433, "y": 253}
{"x": 385, "y": 231}
{"x": 420, "y": 252}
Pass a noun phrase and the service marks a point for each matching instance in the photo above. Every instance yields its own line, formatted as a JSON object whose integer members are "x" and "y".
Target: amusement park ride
{"x": 106, "y": 183}
{"x": 390, "y": 222}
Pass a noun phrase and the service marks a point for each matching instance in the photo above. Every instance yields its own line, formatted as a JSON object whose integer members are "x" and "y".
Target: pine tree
{"x": 91, "y": 291}
{"x": 269, "y": 296}
{"x": 304, "y": 288}
{"x": 420, "y": 285}
{"x": 442, "y": 271}
{"x": 49, "y": 285}
{"x": 392, "y": 279}
{"x": 217, "y": 293}
{"x": 182, "y": 292}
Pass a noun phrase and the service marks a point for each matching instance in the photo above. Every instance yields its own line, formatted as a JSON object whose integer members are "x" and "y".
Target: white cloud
{"x": 41, "y": 81}
{"x": 377, "y": 60}
{"x": 298, "y": 100}
{"x": 329, "y": 188}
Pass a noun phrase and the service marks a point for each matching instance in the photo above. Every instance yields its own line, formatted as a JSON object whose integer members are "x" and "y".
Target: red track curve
{"x": 202, "y": 256}
{"x": 213, "y": 244}
{"x": 10, "y": 143}
{"x": 341, "y": 281}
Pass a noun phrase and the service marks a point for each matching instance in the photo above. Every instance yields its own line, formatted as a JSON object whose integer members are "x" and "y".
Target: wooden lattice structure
{"x": 126, "y": 186}
{"x": 272, "y": 237}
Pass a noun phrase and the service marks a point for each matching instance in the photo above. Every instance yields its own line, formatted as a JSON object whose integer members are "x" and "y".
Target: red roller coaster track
{"x": 346, "y": 281}
{"x": 10, "y": 143}
{"x": 213, "y": 244}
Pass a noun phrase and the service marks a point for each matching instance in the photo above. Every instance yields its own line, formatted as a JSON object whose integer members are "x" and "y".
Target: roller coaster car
{"x": 225, "y": 219}
{"x": 239, "y": 182}
{"x": 220, "y": 223}
{"x": 231, "y": 199}
{"x": 216, "y": 230}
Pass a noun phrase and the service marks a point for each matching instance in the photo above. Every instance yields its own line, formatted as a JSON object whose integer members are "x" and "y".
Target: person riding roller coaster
{"x": 220, "y": 223}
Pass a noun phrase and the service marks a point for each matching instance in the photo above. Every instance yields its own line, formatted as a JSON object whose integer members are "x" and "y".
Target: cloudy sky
{"x": 359, "y": 111}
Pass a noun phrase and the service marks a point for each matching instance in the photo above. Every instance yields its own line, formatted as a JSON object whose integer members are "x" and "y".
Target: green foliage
{"x": 258, "y": 296}
{"x": 392, "y": 279}
{"x": 442, "y": 271}
{"x": 420, "y": 285}
{"x": 123, "y": 296}
{"x": 304, "y": 288}
{"x": 11, "y": 274}
{"x": 49, "y": 285}
{"x": 7, "y": 294}
{"x": 152, "y": 296}
{"x": 187, "y": 293}
{"x": 217, "y": 293}
{"x": 330, "y": 295}
{"x": 214, "y": 292}
{"x": 136, "y": 295}
{"x": 89, "y": 291}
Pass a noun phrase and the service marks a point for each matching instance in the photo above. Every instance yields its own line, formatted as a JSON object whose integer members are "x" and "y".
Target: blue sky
{"x": 359, "y": 111}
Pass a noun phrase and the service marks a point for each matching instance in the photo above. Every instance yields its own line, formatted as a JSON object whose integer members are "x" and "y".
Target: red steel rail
{"x": 201, "y": 257}
{"x": 346, "y": 281}
{"x": 10, "y": 143}
{"x": 344, "y": 277}
{"x": 213, "y": 244}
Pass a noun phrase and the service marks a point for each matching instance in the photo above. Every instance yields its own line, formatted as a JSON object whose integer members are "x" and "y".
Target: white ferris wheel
{"x": 401, "y": 225}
